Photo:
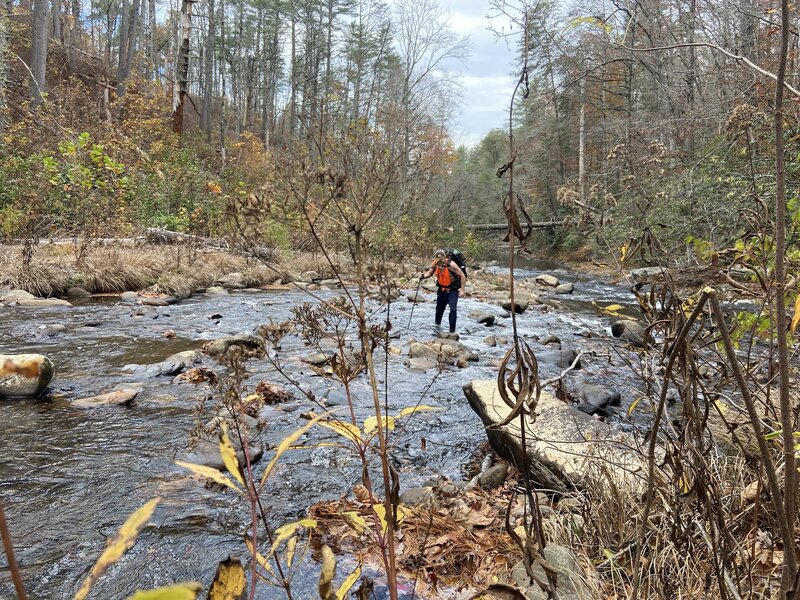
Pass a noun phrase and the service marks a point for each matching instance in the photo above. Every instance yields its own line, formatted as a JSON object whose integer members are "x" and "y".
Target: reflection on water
{"x": 70, "y": 477}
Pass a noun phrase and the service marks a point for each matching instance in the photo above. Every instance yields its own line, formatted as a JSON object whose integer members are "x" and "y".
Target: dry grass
{"x": 175, "y": 270}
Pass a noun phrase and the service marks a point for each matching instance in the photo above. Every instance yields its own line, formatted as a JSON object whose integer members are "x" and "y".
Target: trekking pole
{"x": 414, "y": 304}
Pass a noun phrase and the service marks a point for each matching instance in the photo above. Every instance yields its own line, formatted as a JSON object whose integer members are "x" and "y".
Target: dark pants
{"x": 445, "y": 297}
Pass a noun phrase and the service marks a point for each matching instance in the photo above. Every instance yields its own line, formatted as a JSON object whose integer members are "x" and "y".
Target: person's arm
{"x": 462, "y": 276}
{"x": 426, "y": 274}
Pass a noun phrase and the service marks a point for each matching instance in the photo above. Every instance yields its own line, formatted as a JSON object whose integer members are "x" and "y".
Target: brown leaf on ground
{"x": 198, "y": 375}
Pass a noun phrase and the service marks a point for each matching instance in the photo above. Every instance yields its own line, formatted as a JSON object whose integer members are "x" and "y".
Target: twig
{"x": 12, "y": 563}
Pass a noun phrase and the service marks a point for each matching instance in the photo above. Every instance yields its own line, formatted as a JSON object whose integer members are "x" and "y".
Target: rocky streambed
{"x": 75, "y": 465}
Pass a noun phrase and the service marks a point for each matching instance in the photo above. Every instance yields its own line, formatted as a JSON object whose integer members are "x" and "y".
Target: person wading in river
{"x": 451, "y": 281}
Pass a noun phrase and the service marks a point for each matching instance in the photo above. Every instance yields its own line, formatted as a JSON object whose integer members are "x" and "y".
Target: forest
{"x": 626, "y": 356}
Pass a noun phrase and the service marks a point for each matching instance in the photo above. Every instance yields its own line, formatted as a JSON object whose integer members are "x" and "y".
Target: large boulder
{"x": 565, "y": 288}
{"x": 564, "y": 446}
{"x": 24, "y": 375}
{"x": 520, "y": 304}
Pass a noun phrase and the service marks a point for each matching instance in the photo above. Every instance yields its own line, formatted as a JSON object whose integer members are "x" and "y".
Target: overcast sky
{"x": 486, "y": 77}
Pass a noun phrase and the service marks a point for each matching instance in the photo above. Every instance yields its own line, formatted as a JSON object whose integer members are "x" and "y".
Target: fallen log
{"x": 537, "y": 225}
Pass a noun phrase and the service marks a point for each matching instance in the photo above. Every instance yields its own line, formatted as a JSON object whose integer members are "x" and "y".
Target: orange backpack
{"x": 444, "y": 277}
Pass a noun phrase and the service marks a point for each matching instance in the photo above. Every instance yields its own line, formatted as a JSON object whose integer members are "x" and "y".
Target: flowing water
{"x": 69, "y": 476}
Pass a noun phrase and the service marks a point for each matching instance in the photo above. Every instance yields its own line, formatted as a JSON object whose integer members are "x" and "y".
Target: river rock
{"x": 232, "y": 281}
{"x": 551, "y": 339}
{"x": 206, "y": 451}
{"x": 76, "y": 292}
{"x": 418, "y": 496}
{"x": 331, "y": 283}
{"x": 250, "y": 346}
{"x": 631, "y": 332}
{"x": 493, "y": 477}
{"x": 416, "y": 297}
{"x": 116, "y": 398}
{"x": 147, "y": 312}
{"x": 317, "y": 359}
{"x": 50, "y": 331}
{"x": 490, "y": 340}
{"x": 421, "y": 364}
{"x": 26, "y": 299}
{"x": 564, "y": 446}
{"x": 128, "y": 296}
{"x": 156, "y": 300}
{"x": 548, "y": 280}
{"x": 593, "y": 399}
{"x": 216, "y": 290}
{"x": 560, "y": 358}
{"x": 483, "y": 317}
{"x": 565, "y": 288}
{"x": 170, "y": 366}
{"x": 17, "y": 385}
{"x": 647, "y": 274}
{"x": 310, "y": 276}
{"x": 571, "y": 582}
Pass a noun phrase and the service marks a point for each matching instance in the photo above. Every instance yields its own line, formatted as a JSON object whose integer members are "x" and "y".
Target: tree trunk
{"x": 208, "y": 72}
{"x": 39, "y": 39}
{"x": 55, "y": 11}
{"x": 179, "y": 89}
{"x": 582, "y": 143}
{"x": 3, "y": 67}
{"x": 122, "y": 53}
{"x": 152, "y": 67}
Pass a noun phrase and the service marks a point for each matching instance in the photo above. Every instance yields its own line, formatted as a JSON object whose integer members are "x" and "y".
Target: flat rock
{"x": 548, "y": 280}
{"x": 28, "y": 300}
{"x": 170, "y": 366}
{"x": 147, "y": 312}
{"x": 232, "y": 281}
{"x": 317, "y": 359}
{"x": 216, "y": 290}
{"x": 29, "y": 377}
{"x": 156, "y": 300}
{"x": 594, "y": 399}
{"x": 77, "y": 292}
{"x": 564, "y": 446}
{"x": 418, "y": 496}
{"x": 421, "y": 364}
{"x": 128, "y": 296}
{"x": 115, "y": 398}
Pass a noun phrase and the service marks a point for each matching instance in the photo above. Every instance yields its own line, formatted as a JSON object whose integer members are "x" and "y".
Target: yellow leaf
{"x": 796, "y": 317}
{"x": 683, "y": 483}
{"x": 721, "y": 406}
{"x": 286, "y": 443}
{"x": 209, "y": 473}
{"x": 380, "y": 510}
{"x": 348, "y": 430}
{"x": 229, "y": 582}
{"x": 290, "y": 548}
{"x": 180, "y": 591}
{"x": 120, "y": 544}
{"x": 348, "y": 583}
{"x": 412, "y": 409}
{"x": 633, "y": 406}
{"x": 284, "y": 532}
{"x": 327, "y": 574}
{"x": 371, "y": 424}
{"x": 623, "y": 252}
{"x": 260, "y": 559}
{"x": 229, "y": 454}
{"x": 355, "y": 521}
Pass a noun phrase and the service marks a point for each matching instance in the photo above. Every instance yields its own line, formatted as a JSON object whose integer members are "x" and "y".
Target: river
{"x": 70, "y": 476}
